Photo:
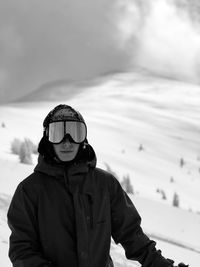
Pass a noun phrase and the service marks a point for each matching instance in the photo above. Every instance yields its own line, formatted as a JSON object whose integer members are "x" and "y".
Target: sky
{"x": 44, "y": 41}
{"x": 49, "y": 40}
{"x": 162, "y": 37}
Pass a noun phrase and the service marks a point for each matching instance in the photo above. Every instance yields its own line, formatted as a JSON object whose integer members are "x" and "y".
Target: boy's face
{"x": 66, "y": 150}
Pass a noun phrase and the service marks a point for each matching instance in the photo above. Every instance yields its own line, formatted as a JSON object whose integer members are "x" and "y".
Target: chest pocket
{"x": 97, "y": 208}
{"x": 101, "y": 209}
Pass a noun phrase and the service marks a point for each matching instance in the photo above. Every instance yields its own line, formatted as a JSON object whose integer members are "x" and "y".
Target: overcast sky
{"x": 48, "y": 40}
{"x": 44, "y": 40}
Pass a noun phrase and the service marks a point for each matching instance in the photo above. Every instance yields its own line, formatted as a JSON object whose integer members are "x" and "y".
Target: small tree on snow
{"x": 126, "y": 185}
{"x": 182, "y": 162}
{"x": 25, "y": 153}
{"x": 109, "y": 169}
{"x": 175, "y": 201}
{"x": 162, "y": 192}
{"x": 32, "y": 146}
{"x": 140, "y": 148}
{"x": 3, "y": 125}
{"x": 16, "y": 145}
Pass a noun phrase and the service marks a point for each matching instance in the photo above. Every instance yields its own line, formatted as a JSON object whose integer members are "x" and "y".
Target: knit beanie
{"x": 62, "y": 112}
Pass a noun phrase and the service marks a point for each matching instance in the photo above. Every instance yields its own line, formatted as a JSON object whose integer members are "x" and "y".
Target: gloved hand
{"x": 182, "y": 265}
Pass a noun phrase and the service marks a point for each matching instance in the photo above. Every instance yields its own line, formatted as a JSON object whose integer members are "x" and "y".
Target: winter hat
{"x": 62, "y": 112}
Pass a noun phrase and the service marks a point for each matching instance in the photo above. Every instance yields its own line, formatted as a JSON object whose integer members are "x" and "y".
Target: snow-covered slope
{"x": 174, "y": 230}
{"x": 139, "y": 126}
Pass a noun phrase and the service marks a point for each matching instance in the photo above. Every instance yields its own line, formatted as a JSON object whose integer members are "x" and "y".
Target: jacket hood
{"x": 49, "y": 164}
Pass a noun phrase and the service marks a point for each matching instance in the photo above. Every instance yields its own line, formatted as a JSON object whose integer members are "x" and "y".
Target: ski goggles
{"x": 59, "y": 129}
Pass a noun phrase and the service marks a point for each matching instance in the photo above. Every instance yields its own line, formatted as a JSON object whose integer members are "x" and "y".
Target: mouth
{"x": 66, "y": 151}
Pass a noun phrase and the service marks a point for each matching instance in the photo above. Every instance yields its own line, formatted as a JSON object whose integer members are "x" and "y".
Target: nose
{"x": 66, "y": 141}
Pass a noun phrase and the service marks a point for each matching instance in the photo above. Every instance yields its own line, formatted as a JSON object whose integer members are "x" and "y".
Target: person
{"x": 65, "y": 213}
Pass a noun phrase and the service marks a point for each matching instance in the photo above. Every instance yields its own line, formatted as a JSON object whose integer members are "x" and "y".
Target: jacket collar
{"x": 76, "y": 173}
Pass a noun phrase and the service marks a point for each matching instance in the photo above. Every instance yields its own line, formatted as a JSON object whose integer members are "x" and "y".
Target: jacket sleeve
{"x": 24, "y": 249}
{"x": 126, "y": 229}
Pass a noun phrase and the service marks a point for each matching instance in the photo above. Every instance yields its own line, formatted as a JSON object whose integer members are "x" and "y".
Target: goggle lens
{"x": 57, "y": 131}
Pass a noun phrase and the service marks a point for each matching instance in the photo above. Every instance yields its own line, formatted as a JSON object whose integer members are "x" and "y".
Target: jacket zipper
{"x": 91, "y": 211}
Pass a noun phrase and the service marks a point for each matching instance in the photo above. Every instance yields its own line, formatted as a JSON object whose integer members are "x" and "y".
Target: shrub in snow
{"x": 24, "y": 149}
{"x": 15, "y": 146}
{"x": 190, "y": 210}
{"x": 32, "y": 146}
{"x": 108, "y": 168}
{"x": 175, "y": 201}
{"x": 123, "y": 151}
{"x": 17, "y": 143}
{"x": 182, "y": 162}
{"x": 162, "y": 192}
{"x": 140, "y": 148}
{"x": 172, "y": 179}
{"x": 3, "y": 125}
{"x": 126, "y": 185}
{"x": 25, "y": 153}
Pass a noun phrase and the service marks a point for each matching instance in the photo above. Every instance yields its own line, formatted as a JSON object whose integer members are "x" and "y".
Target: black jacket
{"x": 65, "y": 216}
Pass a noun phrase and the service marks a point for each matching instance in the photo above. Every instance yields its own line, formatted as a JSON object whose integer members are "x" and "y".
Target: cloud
{"x": 160, "y": 38}
{"x": 3, "y": 80}
{"x": 49, "y": 40}
{"x": 11, "y": 44}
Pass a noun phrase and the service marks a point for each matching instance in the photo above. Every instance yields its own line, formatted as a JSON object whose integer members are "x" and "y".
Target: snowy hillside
{"x": 139, "y": 126}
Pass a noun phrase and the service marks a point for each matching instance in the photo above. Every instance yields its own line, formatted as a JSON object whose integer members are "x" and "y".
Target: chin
{"x": 66, "y": 158}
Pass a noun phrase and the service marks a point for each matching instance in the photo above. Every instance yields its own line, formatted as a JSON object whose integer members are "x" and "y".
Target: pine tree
{"x": 126, "y": 185}
{"x": 3, "y": 125}
{"x": 175, "y": 200}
